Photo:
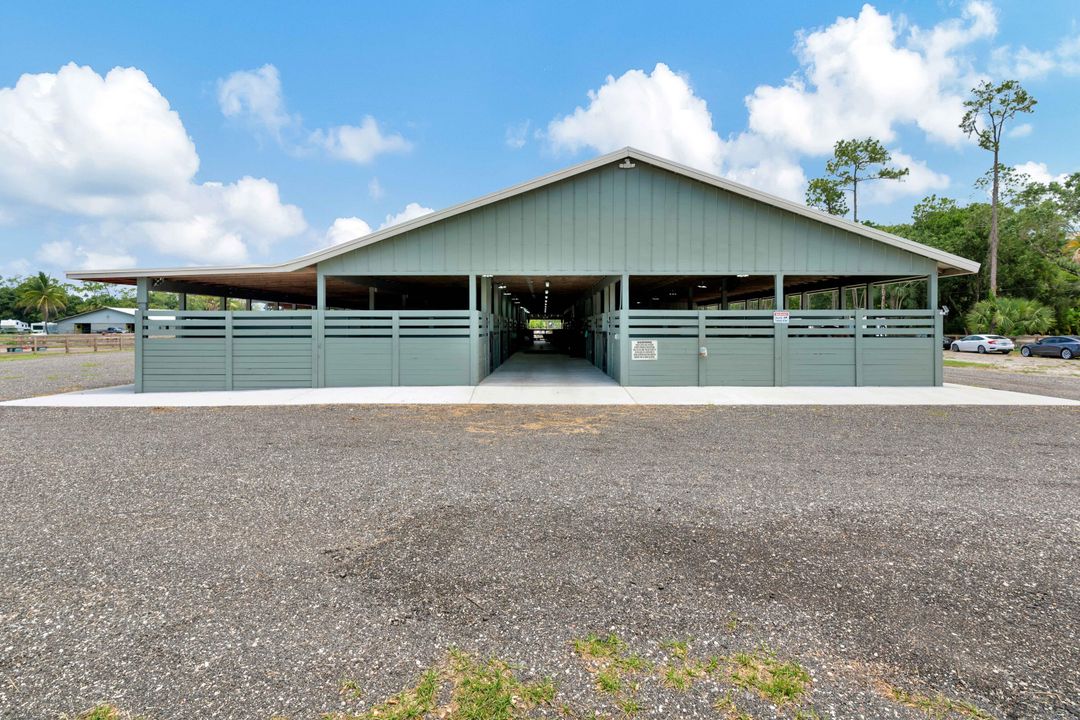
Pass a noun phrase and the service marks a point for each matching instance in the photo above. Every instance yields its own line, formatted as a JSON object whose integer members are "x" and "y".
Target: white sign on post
{"x": 781, "y": 317}
{"x": 643, "y": 350}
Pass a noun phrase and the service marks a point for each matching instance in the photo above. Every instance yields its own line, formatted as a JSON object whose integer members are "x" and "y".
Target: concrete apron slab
{"x": 531, "y": 394}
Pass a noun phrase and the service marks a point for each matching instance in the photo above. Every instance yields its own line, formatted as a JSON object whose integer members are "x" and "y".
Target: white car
{"x": 983, "y": 344}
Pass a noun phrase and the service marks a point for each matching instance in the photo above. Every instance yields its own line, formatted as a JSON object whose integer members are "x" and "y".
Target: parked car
{"x": 983, "y": 344}
{"x": 1065, "y": 347}
{"x": 947, "y": 341}
{"x": 111, "y": 331}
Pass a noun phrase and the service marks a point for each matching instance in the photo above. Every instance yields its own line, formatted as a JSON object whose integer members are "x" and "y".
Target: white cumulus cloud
{"x": 359, "y": 143}
{"x": 1021, "y": 130}
{"x": 64, "y": 253}
{"x": 919, "y": 182}
{"x": 111, "y": 153}
{"x": 255, "y": 96}
{"x": 375, "y": 189}
{"x": 411, "y": 212}
{"x": 869, "y": 75}
{"x": 657, "y": 112}
{"x": 345, "y": 229}
{"x": 1039, "y": 172}
{"x": 1024, "y": 63}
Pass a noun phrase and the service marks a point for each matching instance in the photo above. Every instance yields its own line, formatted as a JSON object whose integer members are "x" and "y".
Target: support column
{"x": 228, "y": 350}
{"x": 779, "y": 334}
{"x": 932, "y": 301}
{"x": 142, "y": 303}
{"x": 223, "y": 303}
{"x": 371, "y": 298}
{"x": 624, "y": 330}
{"x": 181, "y": 301}
{"x": 860, "y": 321}
{"x": 723, "y": 294}
{"x": 318, "y": 333}
{"x": 485, "y": 317}
{"x": 474, "y": 334}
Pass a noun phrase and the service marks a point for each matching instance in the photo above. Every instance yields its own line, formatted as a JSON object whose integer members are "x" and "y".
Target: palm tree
{"x": 43, "y": 294}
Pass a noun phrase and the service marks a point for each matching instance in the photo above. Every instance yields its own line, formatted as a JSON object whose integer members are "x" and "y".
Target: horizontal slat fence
{"x": 815, "y": 348}
{"x": 209, "y": 350}
{"x": 203, "y": 350}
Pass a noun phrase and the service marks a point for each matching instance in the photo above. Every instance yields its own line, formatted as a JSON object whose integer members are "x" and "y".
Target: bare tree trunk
{"x": 994, "y": 230}
{"x": 855, "y": 197}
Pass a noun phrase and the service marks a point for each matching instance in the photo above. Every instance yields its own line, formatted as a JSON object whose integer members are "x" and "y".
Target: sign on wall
{"x": 781, "y": 317}
{"x": 643, "y": 350}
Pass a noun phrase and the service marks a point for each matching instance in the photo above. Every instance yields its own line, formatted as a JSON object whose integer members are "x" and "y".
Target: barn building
{"x": 98, "y": 320}
{"x": 661, "y": 274}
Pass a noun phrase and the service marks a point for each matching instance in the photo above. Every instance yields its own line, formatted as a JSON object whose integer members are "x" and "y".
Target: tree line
{"x": 41, "y": 297}
{"x": 1027, "y": 236}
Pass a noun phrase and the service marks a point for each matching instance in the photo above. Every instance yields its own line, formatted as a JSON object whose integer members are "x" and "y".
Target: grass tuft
{"x": 778, "y": 682}
{"x": 935, "y": 706}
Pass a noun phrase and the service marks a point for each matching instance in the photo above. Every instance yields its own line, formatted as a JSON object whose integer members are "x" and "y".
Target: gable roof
{"x": 125, "y": 311}
{"x": 948, "y": 264}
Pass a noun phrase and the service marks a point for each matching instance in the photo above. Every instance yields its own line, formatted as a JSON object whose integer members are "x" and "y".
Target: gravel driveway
{"x": 54, "y": 372}
{"x": 242, "y": 563}
{"x": 1052, "y": 385}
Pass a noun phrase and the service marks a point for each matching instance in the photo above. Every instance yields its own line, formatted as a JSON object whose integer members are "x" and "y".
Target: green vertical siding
{"x": 642, "y": 220}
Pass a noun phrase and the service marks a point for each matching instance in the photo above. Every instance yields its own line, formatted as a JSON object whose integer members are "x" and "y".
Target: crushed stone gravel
{"x": 55, "y": 372}
{"x": 240, "y": 563}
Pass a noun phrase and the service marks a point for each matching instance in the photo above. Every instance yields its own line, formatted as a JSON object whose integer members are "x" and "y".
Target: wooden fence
{"x": 68, "y": 343}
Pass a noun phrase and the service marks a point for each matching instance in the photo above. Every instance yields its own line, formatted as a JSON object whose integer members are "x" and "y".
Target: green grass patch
{"x": 781, "y": 683}
{"x": 967, "y": 364}
{"x": 11, "y": 357}
{"x": 103, "y": 711}
{"x": 460, "y": 688}
{"x": 726, "y": 706}
{"x": 937, "y": 706}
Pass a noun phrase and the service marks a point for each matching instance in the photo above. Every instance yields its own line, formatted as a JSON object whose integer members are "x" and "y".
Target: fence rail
{"x": 68, "y": 342}
{"x": 814, "y": 347}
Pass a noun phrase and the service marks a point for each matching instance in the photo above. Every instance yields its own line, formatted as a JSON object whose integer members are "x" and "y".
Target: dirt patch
{"x": 1014, "y": 363}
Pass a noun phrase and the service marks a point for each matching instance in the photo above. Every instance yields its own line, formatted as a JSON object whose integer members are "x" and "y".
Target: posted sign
{"x": 781, "y": 317}
{"x": 643, "y": 350}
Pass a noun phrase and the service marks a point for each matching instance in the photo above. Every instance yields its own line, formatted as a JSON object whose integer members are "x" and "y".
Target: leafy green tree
{"x": 828, "y": 195}
{"x": 44, "y": 294}
{"x": 854, "y": 162}
{"x": 989, "y": 108}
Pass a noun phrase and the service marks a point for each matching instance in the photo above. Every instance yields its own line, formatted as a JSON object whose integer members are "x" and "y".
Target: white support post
{"x": 933, "y": 302}
{"x": 142, "y": 304}
{"x": 318, "y": 333}
{"x": 624, "y": 330}
{"x": 779, "y": 334}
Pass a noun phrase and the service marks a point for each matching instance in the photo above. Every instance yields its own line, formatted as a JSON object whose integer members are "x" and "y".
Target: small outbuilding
{"x": 98, "y": 320}
{"x": 659, "y": 274}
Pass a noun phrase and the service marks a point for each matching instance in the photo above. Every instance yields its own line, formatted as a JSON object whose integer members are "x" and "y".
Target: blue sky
{"x": 251, "y": 133}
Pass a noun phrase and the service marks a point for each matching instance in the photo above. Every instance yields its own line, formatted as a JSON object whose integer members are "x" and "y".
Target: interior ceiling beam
{"x": 229, "y": 291}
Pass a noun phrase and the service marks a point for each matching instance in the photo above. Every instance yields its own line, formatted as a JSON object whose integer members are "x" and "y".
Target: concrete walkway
{"x": 579, "y": 394}
{"x": 547, "y": 369}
